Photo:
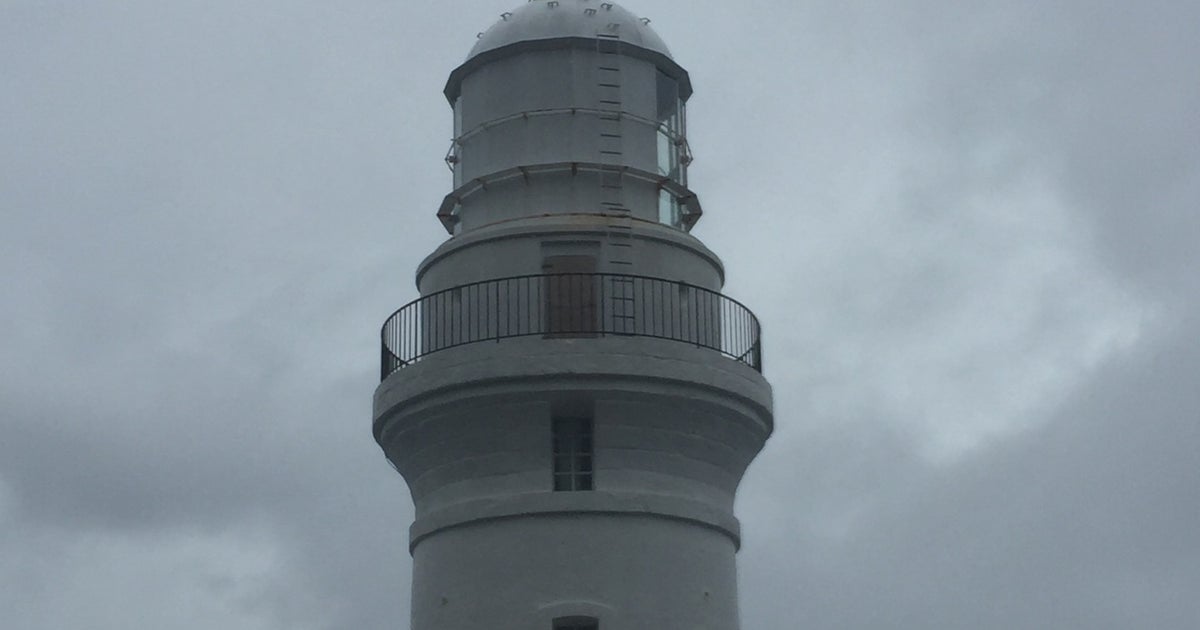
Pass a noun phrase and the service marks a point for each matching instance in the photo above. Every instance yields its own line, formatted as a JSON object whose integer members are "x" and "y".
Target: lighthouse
{"x": 571, "y": 399}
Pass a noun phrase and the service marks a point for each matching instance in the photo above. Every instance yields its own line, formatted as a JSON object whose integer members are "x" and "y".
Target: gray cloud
{"x": 969, "y": 229}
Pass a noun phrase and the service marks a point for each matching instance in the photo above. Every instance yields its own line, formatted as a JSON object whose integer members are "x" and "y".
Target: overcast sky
{"x": 971, "y": 231}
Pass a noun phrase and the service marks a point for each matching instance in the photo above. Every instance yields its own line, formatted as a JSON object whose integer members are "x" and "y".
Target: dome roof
{"x": 554, "y": 19}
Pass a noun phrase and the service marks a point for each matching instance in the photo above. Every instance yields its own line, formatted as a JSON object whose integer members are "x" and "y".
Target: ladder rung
{"x": 620, "y": 228}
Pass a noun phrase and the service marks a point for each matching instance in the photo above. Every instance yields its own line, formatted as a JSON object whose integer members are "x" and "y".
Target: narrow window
{"x": 621, "y": 304}
{"x": 668, "y": 209}
{"x": 670, "y": 128}
{"x": 576, "y": 623}
{"x": 667, "y": 93}
{"x": 456, "y": 148}
{"x": 572, "y": 448}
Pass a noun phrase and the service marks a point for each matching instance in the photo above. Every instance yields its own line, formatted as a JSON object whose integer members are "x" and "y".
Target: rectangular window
{"x": 668, "y": 209}
{"x": 670, "y": 129}
{"x": 572, "y": 452}
{"x": 456, "y": 148}
{"x": 621, "y": 304}
{"x": 667, "y": 93}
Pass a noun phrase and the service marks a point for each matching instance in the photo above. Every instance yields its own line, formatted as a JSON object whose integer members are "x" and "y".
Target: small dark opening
{"x": 569, "y": 294}
{"x": 576, "y": 623}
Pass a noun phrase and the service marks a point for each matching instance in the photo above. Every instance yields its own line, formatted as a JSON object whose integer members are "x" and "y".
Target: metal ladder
{"x": 617, "y": 217}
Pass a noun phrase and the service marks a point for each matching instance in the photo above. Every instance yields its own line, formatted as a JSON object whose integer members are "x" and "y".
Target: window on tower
{"x": 668, "y": 209}
{"x": 670, "y": 129}
{"x": 572, "y": 451}
{"x": 576, "y": 623}
{"x": 453, "y": 155}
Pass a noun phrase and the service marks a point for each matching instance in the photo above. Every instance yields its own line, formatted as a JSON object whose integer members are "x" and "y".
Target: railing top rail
{"x": 550, "y": 275}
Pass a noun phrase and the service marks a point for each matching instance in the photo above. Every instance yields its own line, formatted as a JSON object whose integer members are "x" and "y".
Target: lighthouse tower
{"x": 571, "y": 400}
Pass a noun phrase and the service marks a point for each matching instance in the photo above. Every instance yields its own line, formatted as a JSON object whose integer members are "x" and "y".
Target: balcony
{"x": 570, "y": 305}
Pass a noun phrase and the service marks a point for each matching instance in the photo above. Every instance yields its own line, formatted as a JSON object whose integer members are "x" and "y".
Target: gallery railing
{"x": 573, "y": 305}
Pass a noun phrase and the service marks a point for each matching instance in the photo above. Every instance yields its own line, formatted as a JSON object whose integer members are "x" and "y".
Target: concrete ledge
{"x": 574, "y": 504}
{"x": 574, "y": 225}
{"x": 634, "y": 364}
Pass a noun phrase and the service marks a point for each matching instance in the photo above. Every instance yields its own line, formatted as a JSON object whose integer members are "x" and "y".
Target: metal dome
{"x": 556, "y": 19}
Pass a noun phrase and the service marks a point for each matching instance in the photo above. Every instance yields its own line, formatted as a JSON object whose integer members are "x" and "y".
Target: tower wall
{"x": 521, "y": 247}
{"x": 631, "y": 571}
{"x": 652, "y": 544}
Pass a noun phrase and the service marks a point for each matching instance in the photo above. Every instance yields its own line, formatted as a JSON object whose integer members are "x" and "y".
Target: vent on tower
{"x": 576, "y": 623}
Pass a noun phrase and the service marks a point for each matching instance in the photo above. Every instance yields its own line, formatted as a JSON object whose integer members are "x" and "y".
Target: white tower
{"x": 571, "y": 400}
